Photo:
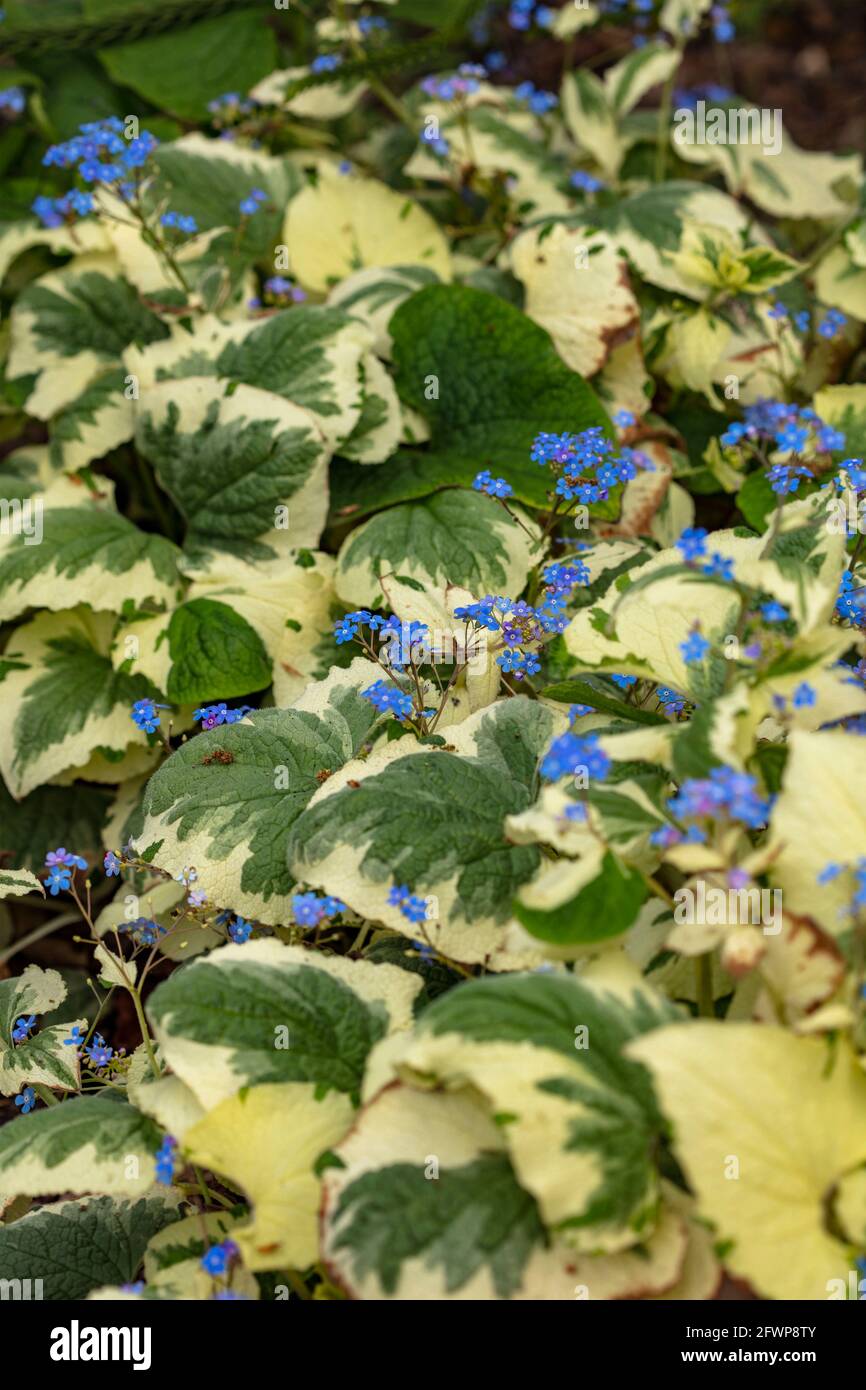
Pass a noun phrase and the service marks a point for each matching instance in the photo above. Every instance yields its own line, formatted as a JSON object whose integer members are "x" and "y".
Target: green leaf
{"x": 353, "y": 842}
{"x": 310, "y": 355}
{"x": 395, "y": 1214}
{"x": 229, "y": 460}
{"x": 207, "y": 179}
{"x": 96, "y": 423}
{"x": 231, "y": 818}
{"x": 45, "y": 1057}
{"x": 605, "y": 907}
{"x": 587, "y": 693}
{"x": 268, "y": 1013}
{"x": 756, "y": 500}
{"x": 86, "y": 1144}
{"x": 183, "y": 70}
{"x": 470, "y": 347}
{"x": 86, "y": 555}
{"x": 451, "y": 537}
{"x": 67, "y": 701}
{"x": 215, "y": 654}
{"x": 74, "y": 1247}
{"x": 51, "y": 816}
{"x": 98, "y": 314}
{"x": 548, "y": 1051}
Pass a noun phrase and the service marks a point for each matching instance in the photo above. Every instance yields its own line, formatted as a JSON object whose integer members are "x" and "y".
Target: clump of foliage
{"x": 433, "y": 607}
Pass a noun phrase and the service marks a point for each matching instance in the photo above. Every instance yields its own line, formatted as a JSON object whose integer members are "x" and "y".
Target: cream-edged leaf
{"x": 64, "y": 701}
{"x": 87, "y": 1144}
{"x": 230, "y": 817}
{"x": 266, "y": 1141}
{"x": 233, "y": 462}
{"x": 347, "y": 222}
{"x": 577, "y": 287}
{"x": 453, "y": 536}
{"x": 787, "y": 1138}
{"x": 267, "y": 1013}
{"x": 46, "y": 1056}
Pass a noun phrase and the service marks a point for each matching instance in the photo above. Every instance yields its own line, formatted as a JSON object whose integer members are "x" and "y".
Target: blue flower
{"x": 240, "y": 930}
{"x": 625, "y": 419}
{"x": 166, "y": 1160}
{"x": 693, "y": 543}
{"x": 804, "y": 696}
{"x": 833, "y": 321}
{"x": 76, "y": 1037}
{"x": 624, "y": 682}
{"x": 111, "y": 864}
{"x": 144, "y": 715}
{"x": 570, "y": 754}
{"x": 63, "y": 858}
{"x": 146, "y": 930}
{"x": 27, "y": 1100}
{"x": 99, "y": 1052}
{"x": 22, "y": 1028}
{"x": 252, "y": 202}
{"x": 588, "y": 183}
{"x": 720, "y": 567}
{"x": 389, "y": 699}
{"x": 309, "y": 910}
{"x": 181, "y": 222}
{"x": 494, "y": 487}
{"x": 58, "y": 879}
{"x": 326, "y": 62}
{"x": 216, "y": 1259}
{"x": 414, "y": 909}
{"x": 774, "y": 612}
{"x": 695, "y": 647}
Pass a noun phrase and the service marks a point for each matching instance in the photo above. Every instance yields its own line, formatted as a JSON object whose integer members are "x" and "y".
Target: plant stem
{"x": 704, "y": 983}
{"x": 44, "y": 1093}
{"x": 145, "y": 1032}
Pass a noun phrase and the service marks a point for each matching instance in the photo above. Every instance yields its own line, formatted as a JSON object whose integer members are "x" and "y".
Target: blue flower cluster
{"x": 522, "y": 14}
{"x": 12, "y": 101}
{"x": 789, "y": 428}
{"x": 388, "y": 698}
{"x": 23, "y": 1027}
{"x": 230, "y": 106}
{"x": 61, "y": 863}
{"x": 166, "y": 1160}
{"x": 326, "y": 62}
{"x": 725, "y": 795}
{"x": 724, "y": 29}
{"x": 211, "y": 716}
{"x": 465, "y": 82}
{"x": 144, "y": 715}
{"x": 571, "y": 754}
{"x": 179, "y": 222}
{"x": 145, "y": 930}
{"x": 583, "y": 182}
{"x": 539, "y": 102}
{"x": 851, "y": 602}
{"x": 99, "y": 1052}
{"x": 280, "y": 290}
{"x": 494, "y": 487}
{"x": 414, "y": 909}
{"x": 587, "y": 465}
{"x": 252, "y": 202}
{"x": 309, "y": 910}
{"x": 100, "y": 154}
